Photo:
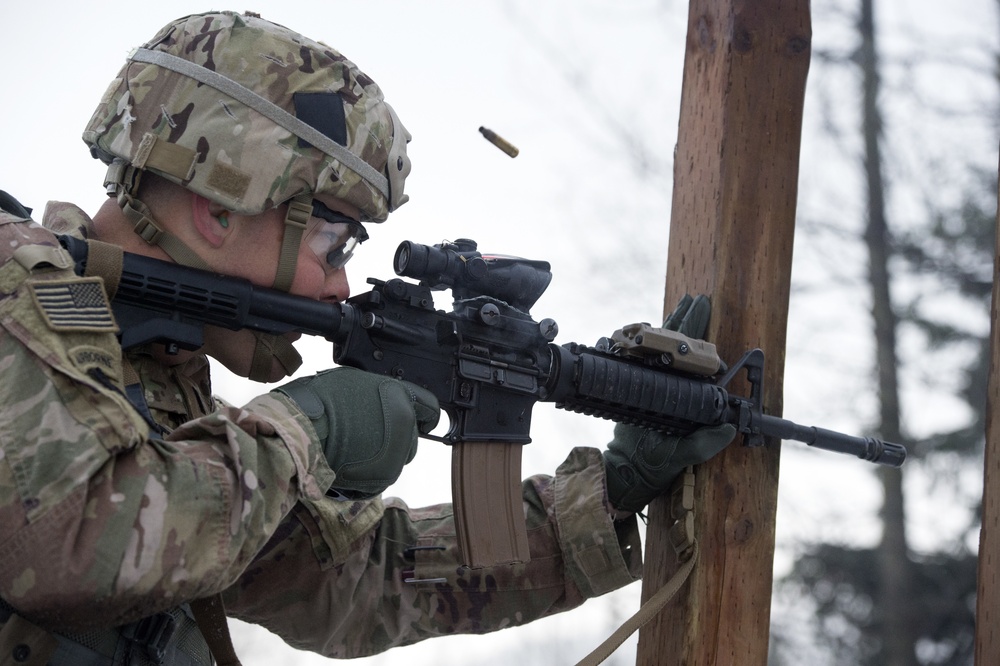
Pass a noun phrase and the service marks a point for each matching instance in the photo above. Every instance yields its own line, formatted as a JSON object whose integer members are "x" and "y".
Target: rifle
{"x": 487, "y": 362}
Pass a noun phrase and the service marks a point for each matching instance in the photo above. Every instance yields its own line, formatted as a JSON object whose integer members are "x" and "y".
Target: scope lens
{"x": 402, "y": 257}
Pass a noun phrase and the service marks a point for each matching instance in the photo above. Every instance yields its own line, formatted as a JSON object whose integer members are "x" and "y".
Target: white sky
{"x": 571, "y": 197}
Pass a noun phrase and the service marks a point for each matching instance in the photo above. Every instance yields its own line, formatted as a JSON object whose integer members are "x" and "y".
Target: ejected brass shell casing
{"x": 499, "y": 141}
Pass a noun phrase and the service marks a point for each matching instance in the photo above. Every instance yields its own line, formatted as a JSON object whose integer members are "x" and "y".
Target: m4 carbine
{"x": 487, "y": 362}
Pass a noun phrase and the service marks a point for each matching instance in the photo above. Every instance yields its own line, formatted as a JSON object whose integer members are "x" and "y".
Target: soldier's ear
{"x": 210, "y": 219}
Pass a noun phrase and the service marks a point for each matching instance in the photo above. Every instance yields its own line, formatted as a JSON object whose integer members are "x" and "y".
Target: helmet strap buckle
{"x": 299, "y": 212}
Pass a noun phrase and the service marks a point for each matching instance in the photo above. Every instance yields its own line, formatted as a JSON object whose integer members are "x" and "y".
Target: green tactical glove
{"x": 642, "y": 464}
{"x": 367, "y": 424}
{"x": 690, "y": 317}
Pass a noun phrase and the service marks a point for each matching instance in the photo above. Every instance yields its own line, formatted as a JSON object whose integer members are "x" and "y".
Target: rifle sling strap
{"x": 685, "y": 545}
{"x": 210, "y": 614}
{"x": 645, "y": 613}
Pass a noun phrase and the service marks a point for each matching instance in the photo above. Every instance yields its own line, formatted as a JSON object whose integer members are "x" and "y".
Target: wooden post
{"x": 988, "y": 595}
{"x": 732, "y": 224}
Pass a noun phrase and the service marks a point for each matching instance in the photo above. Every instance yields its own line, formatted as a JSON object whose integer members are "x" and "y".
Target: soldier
{"x": 130, "y": 495}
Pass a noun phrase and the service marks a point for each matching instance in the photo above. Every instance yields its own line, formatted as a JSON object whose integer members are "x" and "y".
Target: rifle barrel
{"x": 866, "y": 448}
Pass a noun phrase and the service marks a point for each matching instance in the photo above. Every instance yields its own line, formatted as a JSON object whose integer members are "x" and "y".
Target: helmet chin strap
{"x": 274, "y": 347}
{"x": 296, "y": 218}
{"x": 122, "y": 181}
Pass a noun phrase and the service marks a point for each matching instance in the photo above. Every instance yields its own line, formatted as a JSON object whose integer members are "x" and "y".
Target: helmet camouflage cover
{"x": 250, "y": 114}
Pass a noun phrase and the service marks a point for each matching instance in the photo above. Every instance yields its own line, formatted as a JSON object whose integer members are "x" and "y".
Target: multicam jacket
{"x": 106, "y": 518}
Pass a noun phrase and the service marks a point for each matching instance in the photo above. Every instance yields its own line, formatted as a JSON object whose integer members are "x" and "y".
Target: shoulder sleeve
{"x": 101, "y": 521}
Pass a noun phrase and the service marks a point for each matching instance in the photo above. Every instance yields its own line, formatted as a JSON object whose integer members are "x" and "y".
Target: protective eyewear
{"x": 333, "y": 236}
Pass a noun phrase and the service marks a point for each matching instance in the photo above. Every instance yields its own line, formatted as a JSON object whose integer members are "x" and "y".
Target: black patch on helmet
{"x": 323, "y": 111}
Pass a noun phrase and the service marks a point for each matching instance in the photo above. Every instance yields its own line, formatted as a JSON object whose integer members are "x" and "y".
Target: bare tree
{"x": 894, "y": 591}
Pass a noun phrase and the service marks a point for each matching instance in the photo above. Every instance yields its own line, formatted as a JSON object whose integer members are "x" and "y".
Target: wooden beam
{"x": 988, "y": 594}
{"x": 732, "y": 224}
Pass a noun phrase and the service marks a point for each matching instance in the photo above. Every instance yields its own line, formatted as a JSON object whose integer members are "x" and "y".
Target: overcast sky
{"x": 569, "y": 83}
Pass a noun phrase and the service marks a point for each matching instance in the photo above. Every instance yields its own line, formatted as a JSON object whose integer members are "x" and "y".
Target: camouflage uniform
{"x": 104, "y": 520}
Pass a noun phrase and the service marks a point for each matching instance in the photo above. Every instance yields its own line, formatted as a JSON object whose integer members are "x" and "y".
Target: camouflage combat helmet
{"x": 250, "y": 115}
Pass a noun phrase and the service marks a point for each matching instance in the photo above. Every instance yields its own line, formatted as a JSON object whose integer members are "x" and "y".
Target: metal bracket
{"x": 750, "y": 411}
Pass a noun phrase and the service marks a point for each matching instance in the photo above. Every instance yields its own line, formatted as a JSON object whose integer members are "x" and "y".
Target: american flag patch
{"x": 74, "y": 305}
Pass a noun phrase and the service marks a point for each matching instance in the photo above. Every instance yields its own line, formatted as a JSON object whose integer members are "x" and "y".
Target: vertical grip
{"x": 486, "y": 498}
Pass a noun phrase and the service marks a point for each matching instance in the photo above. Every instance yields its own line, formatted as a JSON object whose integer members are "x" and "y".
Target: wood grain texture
{"x": 988, "y": 593}
{"x": 731, "y": 231}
